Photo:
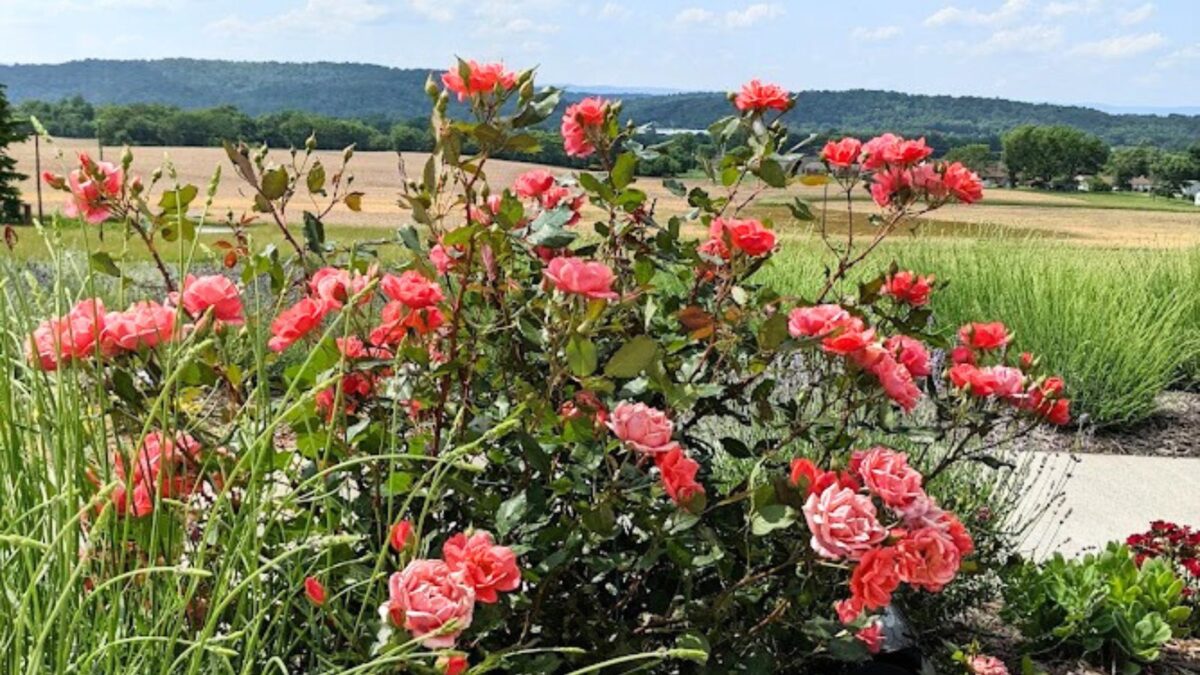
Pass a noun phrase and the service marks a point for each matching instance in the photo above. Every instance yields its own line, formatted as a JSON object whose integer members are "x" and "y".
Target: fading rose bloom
{"x": 93, "y": 187}
{"x": 848, "y": 610}
{"x": 871, "y": 636}
{"x": 849, "y": 338}
{"x": 679, "y": 475}
{"x": 889, "y": 184}
{"x": 963, "y": 183}
{"x": 163, "y": 466}
{"x": 215, "y": 292}
{"x": 927, "y": 180}
{"x": 985, "y": 336}
{"x": 758, "y": 96}
{"x": 294, "y": 323}
{"x": 982, "y": 664}
{"x": 747, "y": 235}
{"x": 314, "y": 590}
{"x": 483, "y": 78}
{"x": 431, "y": 601}
{"x": 907, "y": 287}
{"x": 441, "y": 259}
{"x": 488, "y": 568}
{"x": 897, "y": 382}
{"x": 875, "y": 578}
{"x": 843, "y": 523}
{"x": 334, "y": 287}
{"x": 911, "y": 353}
{"x": 816, "y": 321}
{"x": 581, "y": 277}
{"x": 886, "y": 473}
{"x": 399, "y": 535}
{"x": 580, "y": 119}
{"x": 998, "y": 381}
{"x": 842, "y": 154}
{"x": 928, "y": 559}
{"x": 645, "y": 429}
{"x": 532, "y": 184}
{"x": 397, "y": 319}
{"x": 412, "y": 289}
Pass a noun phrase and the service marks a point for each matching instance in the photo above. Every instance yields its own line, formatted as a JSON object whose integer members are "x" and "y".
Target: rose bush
{"x": 560, "y": 429}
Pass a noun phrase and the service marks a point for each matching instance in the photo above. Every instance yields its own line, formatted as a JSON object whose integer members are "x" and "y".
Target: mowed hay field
{"x": 1098, "y": 220}
{"x": 1107, "y": 293}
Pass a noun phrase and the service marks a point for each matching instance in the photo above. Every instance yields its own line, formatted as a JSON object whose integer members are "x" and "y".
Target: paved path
{"x": 1112, "y": 496}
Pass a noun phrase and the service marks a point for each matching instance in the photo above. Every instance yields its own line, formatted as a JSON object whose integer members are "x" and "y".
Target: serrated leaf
{"x": 622, "y": 171}
{"x": 632, "y": 358}
{"x": 771, "y": 173}
{"x": 767, "y": 519}
{"x": 581, "y": 355}
{"x": 316, "y": 178}
{"x": 274, "y": 183}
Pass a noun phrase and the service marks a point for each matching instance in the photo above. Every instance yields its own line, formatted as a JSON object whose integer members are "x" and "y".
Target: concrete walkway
{"x": 1110, "y": 497}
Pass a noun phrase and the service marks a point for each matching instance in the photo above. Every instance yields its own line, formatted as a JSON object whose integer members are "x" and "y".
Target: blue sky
{"x": 1120, "y": 52}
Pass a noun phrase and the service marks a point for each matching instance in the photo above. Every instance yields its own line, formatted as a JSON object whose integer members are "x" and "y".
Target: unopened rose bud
{"x": 126, "y": 158}
{"x": 86, "y": 163}
{"x": 443, "y": 101}
{"x": 135, "y": 186}
{"x": 310, "y": 143}
{"x": 526, "y": 92}
{"x": 156, "y": 175}
{"x": 431, "y": 88}
{"x": 54, "y": 180}
{"x": 315, "y": 591}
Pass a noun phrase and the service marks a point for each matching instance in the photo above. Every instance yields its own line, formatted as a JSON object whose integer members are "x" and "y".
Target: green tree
{"x": 1053, "y": 154}
{"x": 10, "y": 132}
{"x": 975, "y": 156}
{"x": 1127, "y": 163}
{"x": 1171, "y": 170}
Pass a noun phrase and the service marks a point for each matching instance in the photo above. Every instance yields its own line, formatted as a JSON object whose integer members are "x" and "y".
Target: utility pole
{"x": 37, "y": 172}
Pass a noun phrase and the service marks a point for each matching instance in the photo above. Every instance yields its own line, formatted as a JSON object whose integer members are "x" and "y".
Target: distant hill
{"x": 370, "y": 91}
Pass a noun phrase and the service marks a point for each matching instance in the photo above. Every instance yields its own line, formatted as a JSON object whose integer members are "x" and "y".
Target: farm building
{"x": 1141, "y": 184}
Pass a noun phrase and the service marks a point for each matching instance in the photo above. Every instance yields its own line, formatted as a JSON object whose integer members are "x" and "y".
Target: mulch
{"x": 1173, "y": 431}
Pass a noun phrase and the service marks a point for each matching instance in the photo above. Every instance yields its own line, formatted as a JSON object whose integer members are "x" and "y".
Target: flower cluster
{"x": 434, "y": 600}
{"x": 1179, "y": 544}
{"x": 980, "y": 369}
{"x": 648, "y": 431}
{"x": 922, "y": 545}
{"x": 898, "y": 174}
{"x": 162, "y": 465}
{"x": 758, "y": 97}
{"x": 895, "y": 362}
{"x": 582, "y": 124}
{"x": 94, "y": 188}
{"x": 729, "y": 235}
{"x": 481, "y": 79}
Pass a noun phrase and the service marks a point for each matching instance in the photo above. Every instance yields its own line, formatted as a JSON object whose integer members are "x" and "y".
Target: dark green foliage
{"x": 10, "y": 132}
{"x": 1052, "y": 155}
{"x": 975, "y": 156}
{"x": 1125, "y": 164}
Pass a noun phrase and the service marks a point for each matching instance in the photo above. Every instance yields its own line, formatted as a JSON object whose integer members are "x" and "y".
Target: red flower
{"x": 875, "y": 578}
{"x": 532, "y": 184}
{"x": 215, "y": 292}
{"x": 963, "y": 183}
{"x": 928, "y": 558}
{"x": 816, "y": 321}
{"x": 397, "y": 319}
{"x": 850, "y": 337}
{"x": 984, "y": 336}
{"x": 842, "y": 154}
{"x": 887, "y": 185}
{"x": 580, "y": 120}
{"x": 911, "y": 353}
{"x": 907, "y": 287}
{"x": 453, "y": 665}
{"x": 413, "y": 289}
{"x": 426, "y": 597}
{"x": 315, "y": 591}
{"x": 748, "y": 236}
{"x": 592, "y": 280}
{"x": 872, "y": 637}
{"x": 488, "y": 568}
{"x": 333, "y": 287}
{"x": 399, "y": 535}
{"x": 295, "y": 322}
{"x": 760, "y": 96}
{"x": 483, "y": 78}
{"x": 679, "y": 475}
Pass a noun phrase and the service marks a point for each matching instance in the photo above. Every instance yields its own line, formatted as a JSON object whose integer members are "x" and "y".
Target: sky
{"x": 1116, "y": 52}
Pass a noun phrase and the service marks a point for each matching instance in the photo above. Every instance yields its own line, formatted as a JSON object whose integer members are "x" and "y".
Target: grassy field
{"x": 1102, "y": 286}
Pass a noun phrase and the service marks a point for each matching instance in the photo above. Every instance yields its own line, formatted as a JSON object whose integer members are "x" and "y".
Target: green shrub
{"x": 1101, "y": 606}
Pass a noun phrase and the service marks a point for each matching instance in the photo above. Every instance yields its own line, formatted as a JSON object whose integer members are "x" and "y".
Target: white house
{"x": 1191, "y": 188}
{"x": 1141, "y": 184}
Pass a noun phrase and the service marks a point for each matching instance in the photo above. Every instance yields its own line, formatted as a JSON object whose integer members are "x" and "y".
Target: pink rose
{"x": 488, "y": 568}
{"x": 984, "y": 336}
{"x": 816, "y": 321}
{"x": 890, "y": 184}
{"x": 532, "y": 184}
{"x": 871, "y": 636}
{"x": 215, "y": 292}
{"x": 580, "y": 120}
{"x": 145, "y": 324}
{"x": 875, "y": 578}
{"x": 294, "y": 323}
{"x": 850, "y": 337}
{"x": 431, "y": 601}
{"x": 581, "y": 277}
{"x": 907, "y": 287}
{"x": 897, "y": 382}
{"x": 886, "y": 473}
{"x": 911, "y": 354}
{"x": 645, "y": 429}
{"x": 334, "y": 287}
{"x": 848, "y": 610}
{"x": 761, "y": 96}
{"x": 397, "y": 319}
{"x": 843, "y": 523}
{"x": 842, "y": 154}
{"x": 161, "y": 465}
{"x": 928, "y": 558}
{"x": 68, "y": 338}
{"x": 982, "y": 664}
{"x": 483, "y": 78}
{"x": 412, "y": 289}
{"x": 441, "y": 259}
{"x": 93, "y": 187}
{"x": 963, "y": 183}
{"x": 747, "y": 235}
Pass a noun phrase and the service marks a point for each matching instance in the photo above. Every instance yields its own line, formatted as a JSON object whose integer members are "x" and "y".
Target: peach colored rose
{"x": 875, "y": 578}
{"x": 645, "y": 429}
{"x": 843, "y": 523}
{"x": 532, "y": 184}
{"x": 413, "y": 289}
{"x": 907, "y": 287}
{"x": 294, "y": 323}
{"x": 581, "y": 277}
{"x": 984, "y": 336}
{"x": 578, "y": 121}
{"x": 963, "y": 183}
{"x": 483, "y": 78}
{"x": 911, "y": 353}
{"x": 488, "y": 568}
{"x": 679, "y": 475}
{"x": 760, "y": 96}
{"x": 746, "y": 235}
{"x": 215, "y": 292}
{"x": 334, "y": 287}
{"x": 431, "y": 601}
{"x": 145, "y": 324}
{"x": 928, "y": 559}
{"x": 982, "y": 664}
{"x": 842, "y": 154}
{"x": 816, "y": 321}
{"x": 93, "y": 187}
{"x": 886, "y": 473}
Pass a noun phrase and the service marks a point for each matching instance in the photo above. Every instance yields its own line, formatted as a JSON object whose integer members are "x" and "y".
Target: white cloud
{"x": 1057, "y": 9}
{"x": 1137, "y": 15}
{"x": 875, "y": 34}
{"x": 952, "y": 14}
{"x": 1180, "y": 56}
{"x": 1120, "y": 47}
{"x": 612, "y": 10}
{"x": 434, "y": 10}
{"x": 1028, "y": 39}
{"x": 519, "y": 25}
{"x": 322, "y": 16}
{"x": 734, "y": 18}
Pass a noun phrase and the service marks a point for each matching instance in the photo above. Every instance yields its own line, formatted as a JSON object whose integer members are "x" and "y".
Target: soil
{"x": 1173, "y": 431}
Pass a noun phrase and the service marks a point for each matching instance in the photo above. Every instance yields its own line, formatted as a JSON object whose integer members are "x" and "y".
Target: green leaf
{"x": 178, "y": 200}
{"x": 538, "y": 109}
{"x": 674, "y": 187}
{"x": 801, "y": 210}
{"x": 773, "y": 332}
{"x": 314, "y": 233}
{"x": 622, "y": 171}
{"x": 632, "y": 358}
{"x": 316, "y": 178}
{"x": 547, "y": 229}
{"x": 767, "y": 519}
{"x": 693, "y": 647}
{"x": 274, "y": 183}
{"x": 771, "y": 173}
{"x": 510, "y": 513}
{"x": 353, "y": 201}
{"x": 410, "y": 237}
{"x": 581, "y": 355}
{"x": 104, "y": 264}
